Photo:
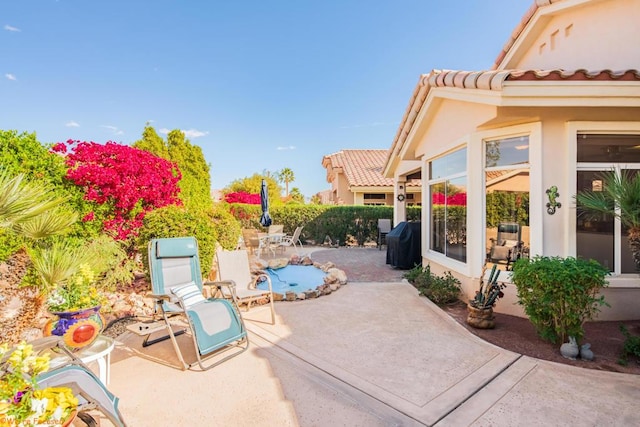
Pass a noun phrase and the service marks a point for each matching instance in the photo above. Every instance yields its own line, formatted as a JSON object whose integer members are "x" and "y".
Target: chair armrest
{"x": 166, "y": 303}
{"x": 267, "y": 278}
{"x": 219, "y": 284}
{"x": 222, "y": 283}
{"x": 160, "y": 297}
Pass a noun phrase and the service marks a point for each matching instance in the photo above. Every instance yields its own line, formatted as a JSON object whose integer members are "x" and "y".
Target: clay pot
{"x": 481, "y": 318}
{"x": 78, "y": 328}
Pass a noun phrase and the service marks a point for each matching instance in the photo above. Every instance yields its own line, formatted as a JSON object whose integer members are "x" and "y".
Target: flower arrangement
{"x": 78, "y": 292}
{"x": 22, "y": 402}
{"x": 489, "y": 292}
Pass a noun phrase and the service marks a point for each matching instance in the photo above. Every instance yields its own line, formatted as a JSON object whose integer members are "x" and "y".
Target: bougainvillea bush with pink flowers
{"x": 242, "y": 197}
{"x": 124, "y": 183}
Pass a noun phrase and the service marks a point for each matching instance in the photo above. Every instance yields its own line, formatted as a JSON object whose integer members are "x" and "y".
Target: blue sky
{"x": 259, "y": 85}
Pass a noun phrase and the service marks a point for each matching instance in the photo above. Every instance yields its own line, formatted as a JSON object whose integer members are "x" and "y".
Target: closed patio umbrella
{"x": 265, "y": 219}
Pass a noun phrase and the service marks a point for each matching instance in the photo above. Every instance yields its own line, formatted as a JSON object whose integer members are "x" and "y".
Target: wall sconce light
{"x": 552, "y": 193}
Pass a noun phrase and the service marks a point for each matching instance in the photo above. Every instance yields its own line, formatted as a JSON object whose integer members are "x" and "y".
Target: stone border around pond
{"x": 334, "y": 279}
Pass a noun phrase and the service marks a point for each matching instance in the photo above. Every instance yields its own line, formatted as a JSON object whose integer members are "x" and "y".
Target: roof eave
{"x": 415, "y": 104}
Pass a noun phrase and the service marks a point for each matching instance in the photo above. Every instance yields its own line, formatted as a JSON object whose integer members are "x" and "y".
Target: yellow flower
{"x": 58, "y": 399}
{"x": 41, "y": 365}
{"x": 4, "y": 348}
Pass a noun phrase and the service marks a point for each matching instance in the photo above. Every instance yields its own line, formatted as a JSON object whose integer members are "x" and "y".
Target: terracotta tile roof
{"x": 494, "y": 79}
{"x": 537, "y": 4}
{"x": 362, "y": 168}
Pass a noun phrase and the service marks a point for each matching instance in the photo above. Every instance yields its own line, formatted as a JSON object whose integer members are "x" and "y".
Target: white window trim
{"x": 440, "y": 258}
{"x": 536, "y": 193}
{"x": 572, "y": 131}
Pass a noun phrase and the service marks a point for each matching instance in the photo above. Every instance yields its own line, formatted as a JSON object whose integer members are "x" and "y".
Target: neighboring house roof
{"x": 361, "y": 168}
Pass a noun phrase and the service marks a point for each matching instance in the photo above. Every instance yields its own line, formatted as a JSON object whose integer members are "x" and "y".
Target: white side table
{"x": 98, "y": 351}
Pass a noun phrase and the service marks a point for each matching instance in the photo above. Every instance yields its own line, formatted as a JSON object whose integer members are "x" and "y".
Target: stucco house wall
{"x": 582, "y": 40}
{"x": 551, "y": 105}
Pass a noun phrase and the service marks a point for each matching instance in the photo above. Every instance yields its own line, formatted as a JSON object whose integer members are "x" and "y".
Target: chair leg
{"x": 185, "y": 365}
{"x": 273, "y": 310}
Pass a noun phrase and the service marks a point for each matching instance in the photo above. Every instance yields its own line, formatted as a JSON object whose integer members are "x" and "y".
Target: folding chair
{"x": 176, "y": 280}
{"x": 507, "y": 245}
{"x": 233, "y": 267}
{"x": 292, "y": 240}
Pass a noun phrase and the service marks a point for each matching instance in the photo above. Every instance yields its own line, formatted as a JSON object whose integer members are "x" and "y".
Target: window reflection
{"x": 594, "y": 232}
{"x": 507, "y": 215}
{"x": 508, "y": 151}
{"x": 449, "y": 218}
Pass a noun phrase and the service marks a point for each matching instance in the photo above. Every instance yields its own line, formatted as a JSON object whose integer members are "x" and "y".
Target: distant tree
{"x": 296, "y": 195}
{"x": 286, "y": 176}
{"x": 152, "y": 142}
{"x": 253, "y": 185}
{"x": 315, "y": 200}
{"x": 195, "y": 185}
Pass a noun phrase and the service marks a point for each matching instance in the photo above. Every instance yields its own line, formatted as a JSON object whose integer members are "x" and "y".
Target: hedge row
{"x": 320, "y": 221}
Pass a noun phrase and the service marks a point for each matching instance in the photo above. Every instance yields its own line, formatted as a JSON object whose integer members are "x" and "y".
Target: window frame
{"x": 613, "y": 128}
{"x": 427, "y": 183}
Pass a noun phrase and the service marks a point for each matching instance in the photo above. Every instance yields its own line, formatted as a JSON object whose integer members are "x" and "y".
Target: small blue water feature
{"x": 296, "y": 278}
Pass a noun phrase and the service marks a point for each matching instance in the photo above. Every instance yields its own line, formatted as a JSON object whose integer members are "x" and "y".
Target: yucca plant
{"x": 56, "y": 263}
{"x": 30, "y": 210}
{"x": 620, "y": 198}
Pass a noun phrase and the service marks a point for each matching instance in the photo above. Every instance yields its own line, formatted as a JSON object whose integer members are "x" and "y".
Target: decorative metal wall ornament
{"x": 400, "y": 197}
{"x": 552, "y": 193}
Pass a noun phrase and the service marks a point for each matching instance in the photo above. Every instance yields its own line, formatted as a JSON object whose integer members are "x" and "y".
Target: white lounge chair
{"x": 233, "y": 266}
{"x": 292, "y": 240}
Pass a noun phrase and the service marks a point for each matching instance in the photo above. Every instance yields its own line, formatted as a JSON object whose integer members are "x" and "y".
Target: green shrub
{"x": 227, "y": 229}
{"x": 10, "y": 243}
{"x": 413, "y": 274}
{"x": 174, "y": 221}
{"x": 319, "y": 221}
{"x": 631, "y": 346}
{"x": 559, "y": 294}
{"x": 439, "y": 289}
{"x": 22, "y": 153}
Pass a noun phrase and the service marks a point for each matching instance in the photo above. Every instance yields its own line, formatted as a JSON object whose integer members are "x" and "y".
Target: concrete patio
{"x": 371, "y": 354}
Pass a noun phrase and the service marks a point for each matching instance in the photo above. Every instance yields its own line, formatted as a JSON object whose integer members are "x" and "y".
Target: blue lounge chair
{"x": 69, "y": 371}
{"x": 215, "y": 323}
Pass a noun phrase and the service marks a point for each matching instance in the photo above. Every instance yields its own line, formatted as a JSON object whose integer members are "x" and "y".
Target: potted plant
{"x": 481, "y": 306}
{"x": 70, "y": 288}
{"x": 22, "y": 402}
{"x": 76, "y": 305}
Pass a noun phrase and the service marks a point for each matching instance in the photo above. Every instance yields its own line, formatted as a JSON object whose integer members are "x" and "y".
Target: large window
{"x": 448, "y": 198}
{"x": 602, "y": 237}
{"x": 507, "y": 200}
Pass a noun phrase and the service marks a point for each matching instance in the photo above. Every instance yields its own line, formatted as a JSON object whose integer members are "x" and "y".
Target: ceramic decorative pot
{"x": 481, "y": 318}
{"x": 77, "y": 328}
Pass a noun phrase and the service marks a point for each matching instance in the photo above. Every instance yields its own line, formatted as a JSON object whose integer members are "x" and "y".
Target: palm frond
{"x": 48, "y": 223}
{"x": 21, "y": 201}
{"x": 620, "y": 198}
{"x": 55, "y": 264}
